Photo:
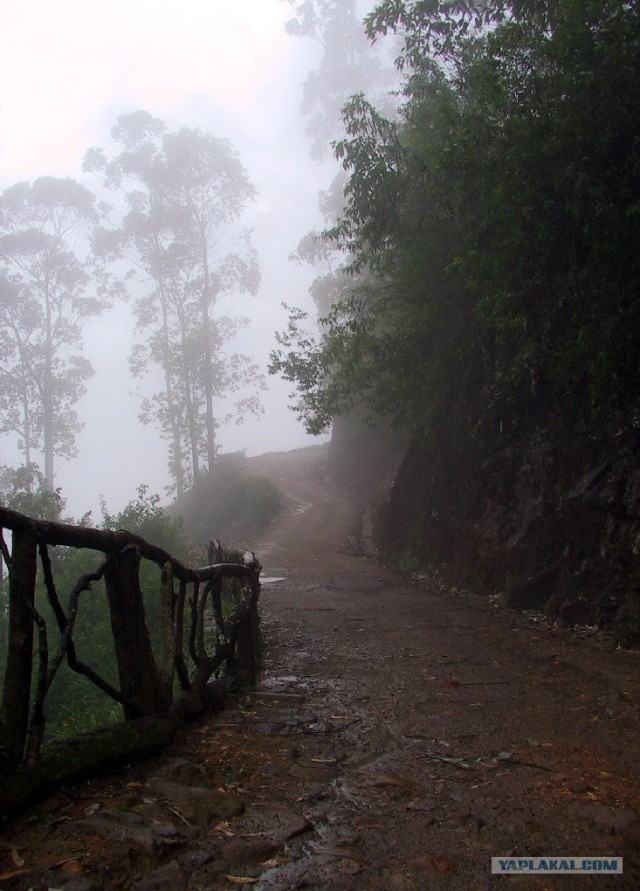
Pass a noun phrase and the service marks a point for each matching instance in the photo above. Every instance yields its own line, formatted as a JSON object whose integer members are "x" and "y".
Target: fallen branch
{"x": 526, "y": 764}
{"x": 461, "y": 763}
{"x": 476, "y": 762}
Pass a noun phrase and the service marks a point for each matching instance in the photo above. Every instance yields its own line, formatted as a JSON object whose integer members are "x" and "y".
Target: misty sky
{"x": 67, "y": 71}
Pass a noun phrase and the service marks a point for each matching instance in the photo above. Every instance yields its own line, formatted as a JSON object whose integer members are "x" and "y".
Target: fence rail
{"x": 208, "y": 637}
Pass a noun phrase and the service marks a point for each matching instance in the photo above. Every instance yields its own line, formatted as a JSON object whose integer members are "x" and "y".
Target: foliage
{"x": 46, "y": 294}
{"x": 82, "y": 707}
{"x": 332, "y": 369}
{"x": 185, "y": 192}
{"x": 347, "y": 66}
{"x": 24, "y": 489}
{"x": 230, "y": 503}
{"x": 434, "y": 28}
{"x": 498, "y": 221}
{"x": 145, "y": 517}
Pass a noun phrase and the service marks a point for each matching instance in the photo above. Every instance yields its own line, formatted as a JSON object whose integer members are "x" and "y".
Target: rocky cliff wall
{"x": 549, "y": 519}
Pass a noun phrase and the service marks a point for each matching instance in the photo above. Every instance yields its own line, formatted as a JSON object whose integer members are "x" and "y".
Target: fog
{"x": 68, "y": 70}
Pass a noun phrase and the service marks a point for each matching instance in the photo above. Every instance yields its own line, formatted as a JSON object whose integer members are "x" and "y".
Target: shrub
{"x": 228, "y": 503}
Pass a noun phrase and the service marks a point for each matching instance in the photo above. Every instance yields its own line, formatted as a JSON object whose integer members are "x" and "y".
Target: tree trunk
{"x": 177, "y": 460}
{"x": 208, "y": 377}
{"x": 47, "y": 404}
{"x": 189, "y": 403}
{"x": 26, "y": 423}
{"x": 192, "y": 427}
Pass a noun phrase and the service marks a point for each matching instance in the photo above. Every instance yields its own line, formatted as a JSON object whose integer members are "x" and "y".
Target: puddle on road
{"x": 281, "y": 680}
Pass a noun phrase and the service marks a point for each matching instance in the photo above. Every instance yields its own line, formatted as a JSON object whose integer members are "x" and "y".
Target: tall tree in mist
{"x": 46, "y": 294}
{"x": 347, "y": 64}
{"x": 348, "y": 68}
{"x": 184, "y": 192}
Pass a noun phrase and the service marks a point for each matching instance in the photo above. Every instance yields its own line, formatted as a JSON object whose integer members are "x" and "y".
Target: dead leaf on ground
{"x": 241, "y": 880}
{"x": 433, "y": 863}
{"x": 174, "y": 810}
{"x": 5, "y": 876}
{"x": 364, "y": 823}
{"x": 380, "y": 780}
{"x": 347, "y": 867}
{"x": 72, "y": 866}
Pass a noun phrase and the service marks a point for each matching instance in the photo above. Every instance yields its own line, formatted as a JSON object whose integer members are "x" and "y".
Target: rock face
{"x": 534, "y": 592}
{"x": 549, "y": 520}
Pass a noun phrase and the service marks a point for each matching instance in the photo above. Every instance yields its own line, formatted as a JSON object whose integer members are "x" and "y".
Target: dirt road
{"x": 401, "y": 737}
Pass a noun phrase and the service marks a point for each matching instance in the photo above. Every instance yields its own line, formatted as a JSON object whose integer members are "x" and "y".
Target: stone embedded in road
{"x": 155, "y": 837}
{"x": 197, "y": 805}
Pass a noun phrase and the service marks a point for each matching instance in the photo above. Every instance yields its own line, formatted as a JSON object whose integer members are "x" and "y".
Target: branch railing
{"x": 207, "y": 641}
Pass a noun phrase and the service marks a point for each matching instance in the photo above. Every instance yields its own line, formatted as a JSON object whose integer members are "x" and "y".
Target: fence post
{"x": 137, "y": 669}
{"x": 14, "y": 715}
{"x": 247, "y": 655}
{"x": 169, "y": 641}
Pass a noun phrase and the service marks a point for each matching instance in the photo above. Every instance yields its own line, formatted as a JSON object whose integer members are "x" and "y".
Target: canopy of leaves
{"x": 185, "y": 192}
{"x": 49, "y": 286}
{"x": 434, "y": 28}
{"x": 144, "y": 516}
{"x": 24, "y": 489}
{"x": 499, "y": 221}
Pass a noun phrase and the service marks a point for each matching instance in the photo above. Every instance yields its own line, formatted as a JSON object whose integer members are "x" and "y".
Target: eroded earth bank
{"x": 400, "y": 738}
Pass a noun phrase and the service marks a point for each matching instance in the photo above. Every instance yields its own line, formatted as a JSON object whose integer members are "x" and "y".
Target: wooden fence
{"x": 208, "y": 639}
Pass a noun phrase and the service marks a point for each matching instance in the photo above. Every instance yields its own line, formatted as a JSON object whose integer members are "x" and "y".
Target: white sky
{"x": 68, "y": 69}
{"x": 66, "y": 64}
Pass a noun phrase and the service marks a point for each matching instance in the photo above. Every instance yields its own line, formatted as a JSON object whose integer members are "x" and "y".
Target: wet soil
{"x": 401, "y": 736}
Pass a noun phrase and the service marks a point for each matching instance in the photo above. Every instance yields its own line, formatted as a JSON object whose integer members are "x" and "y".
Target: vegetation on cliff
{"x": 494, "y": 310}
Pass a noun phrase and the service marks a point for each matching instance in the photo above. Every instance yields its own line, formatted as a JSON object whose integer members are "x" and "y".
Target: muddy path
{"x": 400, "y": 738}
